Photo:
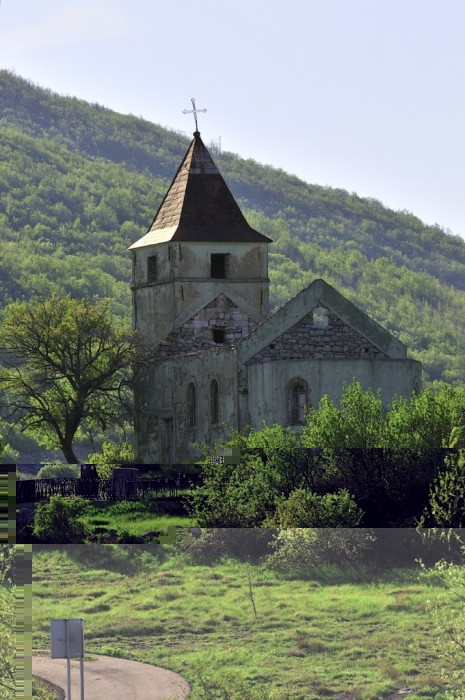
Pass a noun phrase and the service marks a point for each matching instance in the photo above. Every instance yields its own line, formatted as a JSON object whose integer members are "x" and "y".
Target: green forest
{"x": 79, "y": 183}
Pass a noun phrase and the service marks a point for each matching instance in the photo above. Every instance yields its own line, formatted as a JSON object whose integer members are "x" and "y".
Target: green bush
{"x": 304, "y": 508}
{"x": 242, "y": 543}
{"x": 238, "y": 496}
{"x": 302, "y": 551}
{"x": 59, "y": 471}
{"x": 58, "y": 520}
{"x": 446, "y": 506}
{"x": 151, "y": 501}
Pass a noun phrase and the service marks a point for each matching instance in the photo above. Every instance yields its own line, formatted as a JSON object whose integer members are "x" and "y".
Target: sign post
{"x": 67, "y": 638}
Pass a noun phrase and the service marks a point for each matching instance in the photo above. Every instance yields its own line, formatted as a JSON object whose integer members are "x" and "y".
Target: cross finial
{"x": 194, "y": 112}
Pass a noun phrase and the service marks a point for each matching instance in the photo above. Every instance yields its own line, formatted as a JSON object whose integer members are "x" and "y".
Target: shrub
{"x": 446, "y": 506}
{"x": 58, "y": 520}
{"x": 58, "y": 471}
{"x": 242, "y": 543}
{"x": 304, "y": 508}
{"x": 237, "y": 496}
{"x": 151, "y": 501}
{"x": 302, "y": 551}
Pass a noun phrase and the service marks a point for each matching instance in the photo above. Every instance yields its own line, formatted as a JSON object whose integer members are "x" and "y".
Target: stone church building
{"x": 218, "y": 360}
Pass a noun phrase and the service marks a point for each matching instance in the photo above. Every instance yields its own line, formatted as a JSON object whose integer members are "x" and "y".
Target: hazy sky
{"x": 367, "y": 95}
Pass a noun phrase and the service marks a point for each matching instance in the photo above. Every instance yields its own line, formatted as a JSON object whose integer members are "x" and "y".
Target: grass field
{"x": 41, "y": 692}
{"x": 308, "y": 640}
{"x": 132, "y": 517}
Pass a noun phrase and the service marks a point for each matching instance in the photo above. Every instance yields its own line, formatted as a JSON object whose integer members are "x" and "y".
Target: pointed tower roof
{"x": 199, "y": 206}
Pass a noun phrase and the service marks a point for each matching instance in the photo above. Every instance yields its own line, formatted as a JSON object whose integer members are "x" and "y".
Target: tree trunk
{"x": 68, "y": 452}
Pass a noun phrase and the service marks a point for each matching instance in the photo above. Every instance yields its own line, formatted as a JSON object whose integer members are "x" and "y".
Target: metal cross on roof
{"x": 194, "y": 112}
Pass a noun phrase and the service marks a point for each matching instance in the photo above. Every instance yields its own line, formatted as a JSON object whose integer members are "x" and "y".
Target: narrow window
{"x": 191, "y": 406}
{"x": 152, "y": 268}
{"x": 297, "y": 403}
{"x": 218, "y": 268}
{"x": 167, "y": 398}
{"x": 214, "y": 403}
{"x": 320, "y": 317}
{"x": 218, "y": 335}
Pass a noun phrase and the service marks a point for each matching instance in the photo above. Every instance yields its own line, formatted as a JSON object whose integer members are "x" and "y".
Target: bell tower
{"x": 198, "y": 247}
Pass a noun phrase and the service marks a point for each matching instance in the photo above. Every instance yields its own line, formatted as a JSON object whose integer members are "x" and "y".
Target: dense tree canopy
{"x": 352, "y": 463}
{"x": 66, "y": 368}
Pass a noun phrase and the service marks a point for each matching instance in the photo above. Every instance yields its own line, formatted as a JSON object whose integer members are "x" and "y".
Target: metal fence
{"x": 105, "y": 489}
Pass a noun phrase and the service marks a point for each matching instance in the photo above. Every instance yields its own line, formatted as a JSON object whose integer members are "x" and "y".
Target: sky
{"x": 364, "y": 95}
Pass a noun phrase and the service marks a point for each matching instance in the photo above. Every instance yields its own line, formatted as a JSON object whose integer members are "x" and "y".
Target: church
{"x": 217, "y": 359}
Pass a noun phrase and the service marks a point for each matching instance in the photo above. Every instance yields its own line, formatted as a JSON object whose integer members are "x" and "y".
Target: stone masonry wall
{"x": 197, "y": 333}
{"x": 309, "y": 340}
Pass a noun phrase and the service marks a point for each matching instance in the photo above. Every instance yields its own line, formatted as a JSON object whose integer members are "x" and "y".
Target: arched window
{"x": 297, "y": 400}
{"x": 191, "y": 406}
{"x": 214, "y": 403}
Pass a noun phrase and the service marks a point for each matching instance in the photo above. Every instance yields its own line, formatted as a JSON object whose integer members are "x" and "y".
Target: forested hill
{"x": 79, "y": 183}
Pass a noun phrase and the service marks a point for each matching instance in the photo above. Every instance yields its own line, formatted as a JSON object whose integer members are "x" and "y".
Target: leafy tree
{"x": 432, "y": 419}
{"x": 446, "y": 508}
{"x": 358, "y": 422}
{"x": 239, "y": 495}
{"x": 57, "y": 521}
{"x": 67, "y": 368}
{"x": 111, "y": 455}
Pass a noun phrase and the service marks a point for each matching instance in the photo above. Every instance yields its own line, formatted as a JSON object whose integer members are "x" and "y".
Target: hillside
{"x": 79, "y": 183}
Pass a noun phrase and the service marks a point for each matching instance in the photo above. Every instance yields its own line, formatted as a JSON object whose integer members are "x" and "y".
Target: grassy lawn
{"x": 132, "y": 517}
{"x": 41, "y": 691}
{"x": 309, "y": 640}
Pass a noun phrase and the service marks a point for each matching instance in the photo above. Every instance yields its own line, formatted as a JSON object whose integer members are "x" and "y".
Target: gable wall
{"x": 196, "y": 333}
{"x": 338, "y": 340}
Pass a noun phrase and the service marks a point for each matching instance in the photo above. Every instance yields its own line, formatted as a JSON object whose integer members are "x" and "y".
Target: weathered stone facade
{"x": 307, "y": 339}
{"x": 198, "y": 333}
{"x": 219, "y": 361}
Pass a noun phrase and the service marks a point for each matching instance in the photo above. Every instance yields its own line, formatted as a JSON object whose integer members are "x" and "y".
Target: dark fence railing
{"x": 105, "y": 489}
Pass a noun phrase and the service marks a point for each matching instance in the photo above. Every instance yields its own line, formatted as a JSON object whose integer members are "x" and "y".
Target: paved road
{"x": 118, "y": 679}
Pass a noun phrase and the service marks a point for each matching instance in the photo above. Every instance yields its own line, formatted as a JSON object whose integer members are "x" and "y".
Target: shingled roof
{"x": 199, "y": 206}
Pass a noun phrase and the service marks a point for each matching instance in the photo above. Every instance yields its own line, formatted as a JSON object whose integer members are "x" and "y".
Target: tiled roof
{"x": 199, "y": 206}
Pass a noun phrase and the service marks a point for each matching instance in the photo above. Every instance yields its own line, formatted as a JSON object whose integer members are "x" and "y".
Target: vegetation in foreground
{"x": 74, "y": 520}
{"x": 41, "y": 691}
{"x": 7, "y": 622}
{"x": 237, "y": 629}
